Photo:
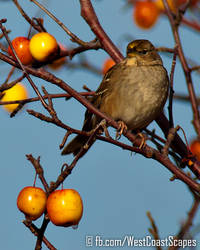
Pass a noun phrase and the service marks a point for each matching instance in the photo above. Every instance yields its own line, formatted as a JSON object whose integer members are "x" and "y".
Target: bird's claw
{"x": 143, "y": 140}
{"x": 122, "y": 128}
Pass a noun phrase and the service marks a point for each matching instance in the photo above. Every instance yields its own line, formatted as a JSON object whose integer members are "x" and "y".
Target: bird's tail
{"x": 75, "y": 145}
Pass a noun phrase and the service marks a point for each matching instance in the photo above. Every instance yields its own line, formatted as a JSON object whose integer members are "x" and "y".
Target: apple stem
{"x": 35, "y": 180}
{"x": 64, "y": 166}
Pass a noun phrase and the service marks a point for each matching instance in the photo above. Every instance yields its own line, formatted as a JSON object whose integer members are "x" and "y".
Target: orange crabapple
{"x": 65, "y": 207}
{"x": 32, "y": 202}
{"x": 15, "y": 93}
{"x": 145, "y": 14}
{"x": 108, "y": 63}
{"x": 43, "y": 46}
{"x": 21, "y": 47}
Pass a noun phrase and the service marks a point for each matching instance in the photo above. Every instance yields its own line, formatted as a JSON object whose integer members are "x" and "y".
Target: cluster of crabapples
{"x": 146, "y": 12}
{"x": 64, "y": 207}
{"x": 145, "y": 15}
{"x": 42, "y": 47}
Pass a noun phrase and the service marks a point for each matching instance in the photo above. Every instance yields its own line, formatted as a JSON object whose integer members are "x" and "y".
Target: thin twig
{"x": 9, "y": 75}
{"x": 171, "y": 92}
{"x": 193, "y": 24}
{"x": 39, "y": 170}
{"x": 73, "y": 36}
{"x": 65, "y": 139}
{"x": 195, "y": 68}
{"x": 6, "y": 85}
{"x": 185, "y": 67}
{"x": 170, "y": 138}
{"x": 80, "y": 154}
{"x": 154, "y": 229}
{"x": 35, "y": 99}
{"x": 164, "y": 49}
{"x": 188, "y": 223}
{"x": 35, "y": 231}
{"x": 28, "y": 19}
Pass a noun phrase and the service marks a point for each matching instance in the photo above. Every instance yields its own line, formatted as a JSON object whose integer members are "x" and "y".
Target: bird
{"x": 132, "y": 92}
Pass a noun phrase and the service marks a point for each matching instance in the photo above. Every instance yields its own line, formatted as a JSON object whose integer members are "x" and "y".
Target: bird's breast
{"x": 137, "y": 96}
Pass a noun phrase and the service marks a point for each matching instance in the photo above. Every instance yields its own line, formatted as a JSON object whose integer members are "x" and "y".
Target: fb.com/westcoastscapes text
{"x": 131, "y": 241}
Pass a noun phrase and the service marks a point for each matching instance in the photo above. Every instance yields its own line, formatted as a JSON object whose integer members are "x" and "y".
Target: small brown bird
{"x": 133, "y": 91}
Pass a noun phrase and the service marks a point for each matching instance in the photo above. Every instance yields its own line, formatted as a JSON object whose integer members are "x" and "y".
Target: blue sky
{"x": 117, "y": 188}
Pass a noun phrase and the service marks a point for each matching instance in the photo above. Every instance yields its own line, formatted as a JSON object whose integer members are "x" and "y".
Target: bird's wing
{"x": 90, "y": 120}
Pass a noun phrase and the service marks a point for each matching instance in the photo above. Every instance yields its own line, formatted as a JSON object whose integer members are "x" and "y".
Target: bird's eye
{"x": 144, "y": 51}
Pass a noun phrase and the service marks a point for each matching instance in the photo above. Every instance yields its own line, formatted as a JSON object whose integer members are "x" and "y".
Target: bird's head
{"x": 142, "y": 50}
